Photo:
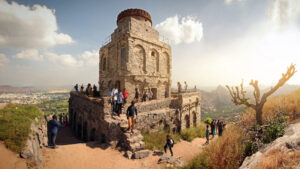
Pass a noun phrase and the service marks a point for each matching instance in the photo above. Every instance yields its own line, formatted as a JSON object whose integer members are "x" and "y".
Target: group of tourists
{"x": 89, "y": 90}
{"x": 185, "y": 87}
{"x": 216, "y": 127}
{"x": 63, "y": 119}
{"x": 117, "y": 99}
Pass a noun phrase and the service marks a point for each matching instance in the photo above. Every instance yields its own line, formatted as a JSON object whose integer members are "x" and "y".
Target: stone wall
{"x": 91, "y": 119}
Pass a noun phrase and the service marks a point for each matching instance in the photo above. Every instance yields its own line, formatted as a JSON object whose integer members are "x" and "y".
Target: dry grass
{"x": 279, "y": 160}
{"x": 226, "y": 152}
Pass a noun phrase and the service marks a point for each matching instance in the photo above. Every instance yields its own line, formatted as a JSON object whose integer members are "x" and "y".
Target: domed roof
{"x": 134, "y": 12}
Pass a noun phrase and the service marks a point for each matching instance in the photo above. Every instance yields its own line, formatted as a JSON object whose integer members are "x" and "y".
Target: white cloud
{"x": 3, "y": 60}
{"x": 230, "y": 1}
{"x": 64, "y": 59}
{"x": 181, "y": 30}
{"x": 91, "y": 58}
{"x": 284, "y": 12}
{"x": 30, "y": 54}
{"x": 25, "y": 27}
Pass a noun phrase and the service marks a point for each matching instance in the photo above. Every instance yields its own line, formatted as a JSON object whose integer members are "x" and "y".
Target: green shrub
{"x": 191, "y": 133}
{"x": 157, "y": 140}
{"x": 208, "y": 120}
{"x": 15, "y": 122}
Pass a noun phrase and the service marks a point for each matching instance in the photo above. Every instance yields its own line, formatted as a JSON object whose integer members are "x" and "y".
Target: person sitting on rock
{"x": 169, "y": 143}
{"x": 54, "y": 124}
{"x": 130, "y": 116}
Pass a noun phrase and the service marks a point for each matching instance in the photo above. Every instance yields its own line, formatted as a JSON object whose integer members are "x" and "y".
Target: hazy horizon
{"x": 217, "y": 42}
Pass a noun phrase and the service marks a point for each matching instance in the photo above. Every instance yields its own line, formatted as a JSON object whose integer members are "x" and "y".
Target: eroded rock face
{"x": 289, "y": 142}
{"x": 37, "y": 140}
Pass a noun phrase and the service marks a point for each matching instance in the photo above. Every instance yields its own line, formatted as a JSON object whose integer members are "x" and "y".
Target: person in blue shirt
{"x": 54, "y": 124}
{"x": 119, "y": 102}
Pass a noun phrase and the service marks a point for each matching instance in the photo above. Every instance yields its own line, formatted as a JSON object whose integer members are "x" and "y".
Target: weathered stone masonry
{"x": 134, "y": 58}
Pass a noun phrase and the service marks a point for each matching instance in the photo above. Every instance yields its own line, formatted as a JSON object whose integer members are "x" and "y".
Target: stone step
{"x": 137, "y": 146}
{"x": 135, "y": 139}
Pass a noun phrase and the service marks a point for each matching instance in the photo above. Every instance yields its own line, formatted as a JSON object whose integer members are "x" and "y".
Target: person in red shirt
{"x": 125, "y": 95}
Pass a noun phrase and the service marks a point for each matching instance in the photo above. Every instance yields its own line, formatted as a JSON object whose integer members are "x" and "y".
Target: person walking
{"x": 119, "y": 102}
{"x": 169, "y": 143}
{"x": 207, "y": 134}
{"x": 54, "y": 124}
{"x": 131, "y": 110}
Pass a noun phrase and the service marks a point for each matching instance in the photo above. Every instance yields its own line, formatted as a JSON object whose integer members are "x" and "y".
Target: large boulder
{"x": 289, "y": 142}
{"x": 171, "y": 160}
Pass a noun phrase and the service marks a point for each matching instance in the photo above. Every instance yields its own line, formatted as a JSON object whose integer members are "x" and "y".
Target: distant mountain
{"x": 11, "y": 89}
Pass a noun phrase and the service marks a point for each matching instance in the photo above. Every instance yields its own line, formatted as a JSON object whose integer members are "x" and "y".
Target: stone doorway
{"x": 154, "y": 91}
{"x": 194, "y": 119}
{"x": 187, "y": 121}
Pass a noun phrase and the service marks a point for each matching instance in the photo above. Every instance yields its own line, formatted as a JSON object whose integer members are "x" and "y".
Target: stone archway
{"x": 93, "y": 134}
{"x": 187, "y": 121}
{"x": 194, "y": 119}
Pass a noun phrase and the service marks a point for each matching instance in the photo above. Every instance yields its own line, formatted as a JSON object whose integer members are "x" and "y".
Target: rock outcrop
{"x": 289, "y": 142}
{"x": 36, "y": 140}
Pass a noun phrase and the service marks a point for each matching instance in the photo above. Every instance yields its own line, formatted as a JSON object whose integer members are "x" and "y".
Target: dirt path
{"x": 74, "y": 154}
{"x": 9, "y": 159}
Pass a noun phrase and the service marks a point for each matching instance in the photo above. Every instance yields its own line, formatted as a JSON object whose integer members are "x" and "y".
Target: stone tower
{"x": 134, "y": 57}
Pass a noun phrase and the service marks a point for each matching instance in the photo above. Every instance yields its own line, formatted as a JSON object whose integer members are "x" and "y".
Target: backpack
{"x": 172, "y": 142}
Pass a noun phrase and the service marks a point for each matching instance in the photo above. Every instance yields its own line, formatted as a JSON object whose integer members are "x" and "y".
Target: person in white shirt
{"x": 115, "y": 98}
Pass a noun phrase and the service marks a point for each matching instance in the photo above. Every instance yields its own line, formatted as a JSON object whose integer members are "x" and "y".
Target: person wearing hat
{"x": 130, "y": 116}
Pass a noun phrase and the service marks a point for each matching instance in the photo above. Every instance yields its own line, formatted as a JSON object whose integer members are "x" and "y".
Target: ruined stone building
{"x": 134, "y": 57}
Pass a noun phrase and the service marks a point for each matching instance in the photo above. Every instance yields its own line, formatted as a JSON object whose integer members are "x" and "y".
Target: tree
{"x": 239, "y": 95}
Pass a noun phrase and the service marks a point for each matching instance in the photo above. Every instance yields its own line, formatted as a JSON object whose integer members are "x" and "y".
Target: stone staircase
{"x": 131, "y": 142}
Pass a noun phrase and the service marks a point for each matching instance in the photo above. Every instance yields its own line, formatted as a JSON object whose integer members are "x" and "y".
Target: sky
{"x": 214, "y": 42}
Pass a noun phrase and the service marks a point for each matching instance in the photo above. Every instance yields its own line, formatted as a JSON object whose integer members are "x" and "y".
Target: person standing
{"x": 217, "y": 126}
{"x": 54, "y": 124}
{"x": 179, "y": 87}
{"x": 76, "y": 88}
{"x": 212, "y": 127}
{"x": 119, "y": 102}
{"x": 166, "y": 93}
{"x": 60, "y": 118}
{"x": 185, "y": 86}
{"x": 115, "y": 98}
{"x": 207, "y": 134}
{"x": 136, "y": 96}
{"x": 169, "y": 143}
{"x": 220, "y": 126}
{"x": 131, "y": 110}
{"x": 81, "y": 89}
{"x": 150, "y": 94}
{"x": 125, "y": 95}
{"x": 144, "y": 98}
